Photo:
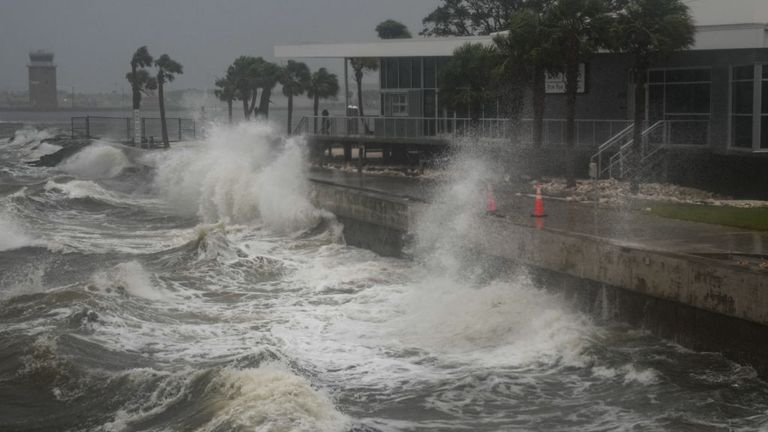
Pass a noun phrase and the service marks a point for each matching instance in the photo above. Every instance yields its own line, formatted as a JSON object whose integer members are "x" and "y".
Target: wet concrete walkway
{"x": 632, "y": 228}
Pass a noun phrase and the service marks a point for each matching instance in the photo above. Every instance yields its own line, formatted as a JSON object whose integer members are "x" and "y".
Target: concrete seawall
{"x": 701, "y": 303}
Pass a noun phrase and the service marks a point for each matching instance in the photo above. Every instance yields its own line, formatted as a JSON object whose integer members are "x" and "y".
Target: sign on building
{"x": 555, "y": 81}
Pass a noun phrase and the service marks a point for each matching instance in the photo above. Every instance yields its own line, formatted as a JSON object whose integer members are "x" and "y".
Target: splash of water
{"x": 130, "y": 278}
{"x": 271, "y": 397}
{"x": 97, "y": 161}
{"x": 241, "y": 174}
{"x": 13, "y": 235}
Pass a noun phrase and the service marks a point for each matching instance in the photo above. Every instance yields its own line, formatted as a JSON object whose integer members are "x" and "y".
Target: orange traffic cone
{"x": 538, "y": 204}
{"x": 491, "y": 207}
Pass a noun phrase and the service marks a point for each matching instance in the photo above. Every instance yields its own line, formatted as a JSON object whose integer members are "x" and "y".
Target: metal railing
{"x": 120, "y": 128}
{"x": 617, "y": 156}
{"x": 589, "y": 133}
{"x": 624, "y": 160}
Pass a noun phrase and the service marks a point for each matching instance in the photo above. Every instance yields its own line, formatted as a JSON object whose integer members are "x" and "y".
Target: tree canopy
{"x": 391, "y": 29}
{"x": 249, "y": 75}
{"x": 226, "y": 92}
{"x": 167, "y": 69}
{"x": 468, "y": 78}
{"x": 295, "y": 78}
{"x": 323, "y": 84}
{"x": 139, "y": 79}
{"x": 469, "y": 17}
{"x": 650, "y": 29}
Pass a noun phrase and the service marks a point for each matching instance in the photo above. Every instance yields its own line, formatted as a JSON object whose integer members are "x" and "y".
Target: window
{"x": 764, "y": 110}
{"x": 399, "y": 102}
{"x": 383, "y": 74}
{"x": 391, "y": 73}
{"x": 429, "y": 73}
{"x": 742, "y": 106}
{"x": 416, "y": 72}
{"x": 405, "y": 73}
{"x": 681, "y": 97}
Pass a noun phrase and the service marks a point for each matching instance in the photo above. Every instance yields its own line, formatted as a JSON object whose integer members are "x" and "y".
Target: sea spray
{"x": 245, "y": 173}
{"x": 129, "y": 278}
{"x": 472, "y": 305}
{"x": 13, "y": 235}
{"x": 97, "y": 161}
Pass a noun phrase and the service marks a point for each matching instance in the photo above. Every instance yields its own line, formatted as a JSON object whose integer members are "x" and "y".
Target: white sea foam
{"x": 271, "y": 398}
{"x": 240, "y": 174}
{"x": 81, "y": 189}
{"x": 13, "y": 235}
{"x": 502, "y": 323}
{"x": 30, "y": 137}
{"x": 629, "y": 374}
{"x": 97, "y": 161}
{"x": 130, "y": 278}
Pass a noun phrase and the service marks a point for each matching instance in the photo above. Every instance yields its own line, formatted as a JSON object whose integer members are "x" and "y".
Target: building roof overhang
{"x": 708, "y": 37}
{"x": 417, "y": 47}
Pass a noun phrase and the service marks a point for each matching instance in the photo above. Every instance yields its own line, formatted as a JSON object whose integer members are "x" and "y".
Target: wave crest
{"x": 271, "y": 397}
{"x": 240, "y": 174}
{"x": 97, "y": 161}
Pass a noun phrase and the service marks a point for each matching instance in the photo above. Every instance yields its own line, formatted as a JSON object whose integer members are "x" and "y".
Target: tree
{"x": 242, "y": 72}
{"x": 249, "y": 74}
{"x": 391, "y": 29}
{"x": 648, "y": 30}
{"x": 322, "y": 85}
{"x": 467, "y": 79}
{"x": 360, "y": 66}
{"x": 295, "y": 80}
{"x": 578, "y": 28}
{"x": 469, "y": 17}
{"x": 527, "y": 54}
{"x": 225, "y": 91}
{"x": 267, "y": 77}
{"x": 167, "y": 69}
{"x": 140, "y": 81}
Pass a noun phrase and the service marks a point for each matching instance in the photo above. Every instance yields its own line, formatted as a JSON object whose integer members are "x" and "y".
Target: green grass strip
{"x": 755, "y": 219}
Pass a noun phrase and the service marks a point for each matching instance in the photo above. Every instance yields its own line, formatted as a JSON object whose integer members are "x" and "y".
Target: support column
{"x": 346, "y": 87}
{"x": 136, "y": 128}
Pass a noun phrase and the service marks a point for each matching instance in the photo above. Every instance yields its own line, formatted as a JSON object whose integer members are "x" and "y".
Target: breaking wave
{"x": 13, "y": 235}
{"x": 97, "y": 161}
{"x": 240, "y": 174}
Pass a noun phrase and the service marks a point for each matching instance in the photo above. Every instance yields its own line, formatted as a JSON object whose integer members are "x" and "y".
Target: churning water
{"x": 199, "y": 289}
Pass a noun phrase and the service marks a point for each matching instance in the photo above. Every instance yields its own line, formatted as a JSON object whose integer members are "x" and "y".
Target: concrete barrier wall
{"x": 716, "y": 286}
{"x": 702, "y": 303}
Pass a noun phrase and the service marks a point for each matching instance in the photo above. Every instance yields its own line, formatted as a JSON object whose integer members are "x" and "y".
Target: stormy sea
{"x": 198, "y": 289}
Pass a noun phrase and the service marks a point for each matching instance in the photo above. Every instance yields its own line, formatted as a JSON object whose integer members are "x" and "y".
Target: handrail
{"x": 606, "y": 145}
{"x": 619, "y": 159}
{"x": 589, "y": 132}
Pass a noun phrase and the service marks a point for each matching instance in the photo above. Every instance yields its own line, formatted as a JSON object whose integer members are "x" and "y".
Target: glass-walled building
{"x": 712, "y": 97}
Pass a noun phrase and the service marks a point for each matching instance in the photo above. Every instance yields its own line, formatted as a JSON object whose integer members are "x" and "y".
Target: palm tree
{"x": 295, "y": 80}
{"x": 167, "y": 69}
{"x": 268, "y": 75}
{"x": 648, "y": 30}
{"x": 322, "y": 85}
{"x": 579, "y": 28}
{"x": 527, "y": 55}
{"x": 242, "y": 72}
{"x": 360, "y": 66}
{"x": 225, "y": 91}
{"x": 467, "y": 79}
{"x": 140, "y": 81}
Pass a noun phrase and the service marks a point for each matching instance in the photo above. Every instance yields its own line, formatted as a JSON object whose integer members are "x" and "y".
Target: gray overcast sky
{"x": 94, "y": 39}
